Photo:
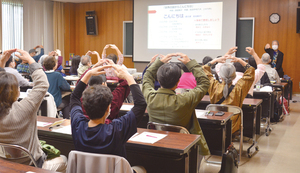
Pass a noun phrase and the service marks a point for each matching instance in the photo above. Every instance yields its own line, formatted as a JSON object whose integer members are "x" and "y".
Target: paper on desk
{"x": 201, "y": 113}
{"x": 126, "y": 107}
{"x": 42, "y": 124}
{"x": 63, "y": 129}
{"x": 147, "y": 137}
{"x": 266, "y": 89}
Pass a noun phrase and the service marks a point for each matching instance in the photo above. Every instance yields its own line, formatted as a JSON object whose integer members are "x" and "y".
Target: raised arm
{"x": 261, "y": 69}
{"x": 120, "y": 55}
{"x": 37, "y": 57}
{"x": 104, "y": 51}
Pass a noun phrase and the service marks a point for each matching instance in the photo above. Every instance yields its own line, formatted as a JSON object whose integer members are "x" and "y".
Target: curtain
{"x": 58, "y": 26}
{"x": 12, "y": 24}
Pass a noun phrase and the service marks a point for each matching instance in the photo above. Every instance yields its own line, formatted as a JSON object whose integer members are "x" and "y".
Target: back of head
{"x": 206, "y": 60}
{"x": 239, "y": 67}
{"x": 75, "y": 64}
{"x": 9, "y": 89}
{"x": 252, "y": 62}
{"x": 113, "y": 57}
{"x": 11, "y": 59}
{"x": 265, "y": 58}
{"x": 168, "y": 75}
{"x": 183, "y": 67}
{"x": 85, "y": 60}
{"x": 49, "y": 62}
{"x": 227, "y": 73}
{"x": 41, "y": 61}
{"x": 95, "y": 100}
{"x": 97, "y": 80}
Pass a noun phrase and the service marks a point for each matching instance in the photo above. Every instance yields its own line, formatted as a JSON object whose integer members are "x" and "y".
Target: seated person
{"x": 57, "y": 85}
{"x": 74, "y": 65}
{"x": 272, "y": 73}
{"x": 93, "y": 135}
{"x": 10, "y": 68}
{"x": 264, "y": 80}
{"x": 86, "y": 63}
{"x": 240, "y": 70}
{"x": 59, "y": 59}
{"x": 32, "y": 53}
{"x": 186, "y": 81}
{"x": 110, "y": 74}
{"x": 167, "y": 107}
{"x": 156, "y": 84}
{"x": 223, "y": 93}
{"x": 206, "y": 60}
{"x": 120, "y": 93}
{"x": 18, "y": 119}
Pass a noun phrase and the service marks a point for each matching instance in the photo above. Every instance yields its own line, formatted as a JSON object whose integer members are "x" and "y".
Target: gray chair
{"x": 79, "y": 162}
{"x": 235, "y": 110}
{"x": 167, "y": 127}
{"x": 13, "y": 152}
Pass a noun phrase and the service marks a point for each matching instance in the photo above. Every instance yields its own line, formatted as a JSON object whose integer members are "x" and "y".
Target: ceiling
{"x": 81, "y": 1}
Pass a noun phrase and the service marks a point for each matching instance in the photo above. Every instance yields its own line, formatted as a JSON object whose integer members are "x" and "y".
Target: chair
{"x": 167, "y": 127}
{"x": 235, "y": 110}
{"x": 79, "y": 162}
{"x": 13, "y": 152}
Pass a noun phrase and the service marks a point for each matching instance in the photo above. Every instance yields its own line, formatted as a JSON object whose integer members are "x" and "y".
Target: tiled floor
{"x": 278, "y": 153}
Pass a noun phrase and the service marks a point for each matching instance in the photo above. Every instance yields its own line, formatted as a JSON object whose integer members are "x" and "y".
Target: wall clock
{"x": 274, "y": 18}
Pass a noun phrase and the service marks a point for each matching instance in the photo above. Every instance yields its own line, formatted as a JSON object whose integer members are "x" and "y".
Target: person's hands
{"x": 113, "y": 46}
{"x": 41, "y": 46}
{"x": 250, "y": 50}
{"x": 121, "y": 72}
{"x": 5, "y": 56}
{"x": 58, "y": 52}
{"x": 110, "y": 62}
{"x": 183, "y": 58}
{"x": 52, "y": 53}
{"x": 95, "y": 53}
{"x": 231, "y": 50}
{"x": 107, "y": 46}
{"x": 220, "y": 60}
{"x": 153, "y": 58}
{"x": 267, "y": 46}
{"x": 100, "y": 63}
{"x": 98, "y": 70}
{"x": 89, "y": 53}
{"x": 233, "y": 59}
{"x": 25, "y": 56}
{"x": 167, "y": 58}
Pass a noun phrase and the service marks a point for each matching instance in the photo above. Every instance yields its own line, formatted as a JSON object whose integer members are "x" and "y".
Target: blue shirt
{"x": 56, "y": 84}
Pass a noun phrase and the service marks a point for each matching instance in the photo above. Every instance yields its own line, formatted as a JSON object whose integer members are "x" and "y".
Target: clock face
{"x": 274, "y": 18}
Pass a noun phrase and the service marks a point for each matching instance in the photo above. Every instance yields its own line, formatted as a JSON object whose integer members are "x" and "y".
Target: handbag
{"x": 230, "y": 160}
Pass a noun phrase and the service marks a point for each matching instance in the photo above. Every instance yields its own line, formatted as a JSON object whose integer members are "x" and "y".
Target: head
{"x": 168, "y": 75}
{"x": 252, "y": 62}
{"x": 183, "y": 67}
{"x": 10, "y": 62}
{"x": 86, "y": 60}
{"x": 206, "y": 60}
{"x": 275, "y": 45}
{"x": 113, "y": 57}
{"x": 50, "y": 63}
{"x": 96, "y": 100}
{"x": 32, "y": 52}
{"x": 239, "y": 67}
{"x": 97, "y": 80}
{"x": 266, "y": 58}
{"x": 227, "y": 73}
{"x": 9, "y": 89}
{"x": 75, "y": 64}
{"x": 41, "y": 61}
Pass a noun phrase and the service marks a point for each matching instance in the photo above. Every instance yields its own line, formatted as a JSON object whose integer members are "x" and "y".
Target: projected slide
{"x": 185, "y": 26}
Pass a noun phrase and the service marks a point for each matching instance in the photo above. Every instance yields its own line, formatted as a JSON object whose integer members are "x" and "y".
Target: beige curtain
{"x": 58, "y": 27}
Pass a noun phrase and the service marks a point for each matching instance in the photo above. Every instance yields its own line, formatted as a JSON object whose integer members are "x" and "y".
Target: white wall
{"x": 38, "y": 24}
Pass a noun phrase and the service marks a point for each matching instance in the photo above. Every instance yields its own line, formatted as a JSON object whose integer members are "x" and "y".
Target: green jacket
{"x": 164, "y": 106}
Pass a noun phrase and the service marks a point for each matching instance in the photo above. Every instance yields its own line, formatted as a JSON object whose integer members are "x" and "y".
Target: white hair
{"x": 227, "y": 73}
{"x": 265, "y": 58}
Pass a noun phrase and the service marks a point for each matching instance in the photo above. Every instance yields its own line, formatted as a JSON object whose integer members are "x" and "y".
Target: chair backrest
{"x": 79, "y": 162}
{"x": 167, "y": 127}
{"x": 13, "y": 152}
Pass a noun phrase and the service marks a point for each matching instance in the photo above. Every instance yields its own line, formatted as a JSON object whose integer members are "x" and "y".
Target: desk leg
{"x": 193, "y": 159}
{"x": 254, "y": 143}
{"x": 258, "y": 118}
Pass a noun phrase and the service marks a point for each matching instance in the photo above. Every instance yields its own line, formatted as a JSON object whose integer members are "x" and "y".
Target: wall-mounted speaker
{"x": 298, "y": 20}
{"x": 91, "y": 23}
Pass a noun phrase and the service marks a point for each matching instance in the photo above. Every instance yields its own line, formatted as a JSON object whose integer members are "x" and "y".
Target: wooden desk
{"x": 175, "y": 153}
{"x": 217, "y": 131}
{"x": 12, "y": 167}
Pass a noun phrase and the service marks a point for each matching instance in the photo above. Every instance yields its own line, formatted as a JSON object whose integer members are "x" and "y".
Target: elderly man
{"x": 272, "y": 73}
{"x": 86, "y": 63}
{"x": 32, "y": 53}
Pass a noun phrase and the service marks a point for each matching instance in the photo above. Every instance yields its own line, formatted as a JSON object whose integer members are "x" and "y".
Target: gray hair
{"x": 227, "y": 73}
{"x": 265, "y": 58}
{"x": 85, "y": 59}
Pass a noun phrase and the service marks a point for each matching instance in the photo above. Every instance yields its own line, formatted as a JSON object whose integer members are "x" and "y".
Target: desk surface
{"x": 225, "y": 117}
{"x": 11, "y": 167}
{"x": 71, "y": 78}
{"x": 247, "y": 101}
{"x": 174, "y": 142}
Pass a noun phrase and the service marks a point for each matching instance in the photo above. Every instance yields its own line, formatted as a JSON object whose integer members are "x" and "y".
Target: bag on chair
{"x": 230, "y": 160}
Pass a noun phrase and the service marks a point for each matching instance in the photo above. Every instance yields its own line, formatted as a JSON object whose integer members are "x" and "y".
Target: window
{"x": 12, "y": 24}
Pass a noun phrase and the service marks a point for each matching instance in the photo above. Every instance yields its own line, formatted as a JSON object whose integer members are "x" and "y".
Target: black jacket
{"x": 279, "y": 61}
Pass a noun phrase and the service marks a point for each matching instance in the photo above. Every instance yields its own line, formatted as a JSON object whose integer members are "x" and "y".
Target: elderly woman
{"x": 18, "y": 119}
{"x": 219, "y": 93}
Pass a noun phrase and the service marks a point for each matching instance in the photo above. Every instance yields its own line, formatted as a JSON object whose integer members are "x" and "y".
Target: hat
{"x": 32, "y": 50}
